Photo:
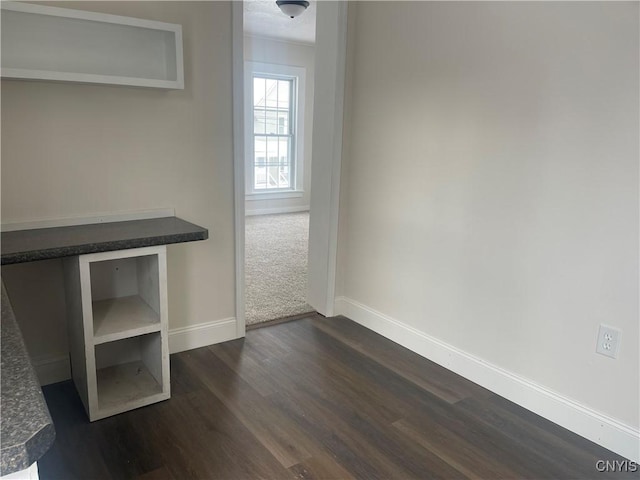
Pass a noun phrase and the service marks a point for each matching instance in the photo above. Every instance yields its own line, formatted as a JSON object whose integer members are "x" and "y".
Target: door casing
{"x": 330, "y": 67}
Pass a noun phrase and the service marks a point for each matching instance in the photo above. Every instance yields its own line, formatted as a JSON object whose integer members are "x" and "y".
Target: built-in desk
{"x": 115, "y": 282}
{"x": 45, "y": 243}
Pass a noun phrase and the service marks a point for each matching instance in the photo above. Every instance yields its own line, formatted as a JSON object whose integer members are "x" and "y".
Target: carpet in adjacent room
{"x": 276, "y": 250}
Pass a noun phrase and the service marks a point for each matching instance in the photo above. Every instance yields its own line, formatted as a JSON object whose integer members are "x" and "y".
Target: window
{"x": 274, "y": 130}
{"x": 273, "y": 133}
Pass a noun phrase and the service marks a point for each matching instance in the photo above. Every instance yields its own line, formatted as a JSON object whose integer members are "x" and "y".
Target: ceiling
{"x": 263, "y": 18}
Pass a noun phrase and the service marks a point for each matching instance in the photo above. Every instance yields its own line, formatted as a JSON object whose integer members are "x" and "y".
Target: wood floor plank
{"x": 201, "y": 438}
{"x": 532, "y": 465}
{"x": 339, "y": 378}
{"x": 390, "y": 454}
{"x": 359, "y": 410}
{"x": 457, "y": 428}
{"x": 288, "y": 379}
{"x": 359, "y": 445}
{"x": 458, "y": 453}
{"x": 315, "y": 399}
{"x": 75, "y": 454}
{"x": 566, "y": 457}
{"x": 183, "y": 380}
{"x": 247, "y": 362}
{"x": 572, "y": 439}
{"x": 315, "y": 468}
{"x": 126, "y": 450}
{"x": 424, "y": 373}
{"x": 159, "y": 474}
{"x": 269, "y": 427}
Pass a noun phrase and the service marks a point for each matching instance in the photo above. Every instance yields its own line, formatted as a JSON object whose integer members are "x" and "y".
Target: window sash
{"x": 274, "y": 173}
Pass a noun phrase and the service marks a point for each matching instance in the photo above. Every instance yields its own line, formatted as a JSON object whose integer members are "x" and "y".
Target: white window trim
{"x": 252, "y": 68}
{"x": 274, "y": 195}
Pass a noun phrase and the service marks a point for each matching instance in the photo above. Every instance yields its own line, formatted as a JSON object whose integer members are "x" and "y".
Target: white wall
{"x": 264, "y": 50}
{"x": 79, "y": 150}
{"x": 492, "y": 197}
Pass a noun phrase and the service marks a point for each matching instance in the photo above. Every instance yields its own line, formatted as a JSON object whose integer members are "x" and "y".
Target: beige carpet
{"x": 276, "y": 249}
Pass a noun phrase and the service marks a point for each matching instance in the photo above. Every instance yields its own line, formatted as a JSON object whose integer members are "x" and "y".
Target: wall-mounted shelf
{"x": 60, "y": 44}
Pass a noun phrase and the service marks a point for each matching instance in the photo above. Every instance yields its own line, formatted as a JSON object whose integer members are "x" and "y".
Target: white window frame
{"x": 285, "y": 72}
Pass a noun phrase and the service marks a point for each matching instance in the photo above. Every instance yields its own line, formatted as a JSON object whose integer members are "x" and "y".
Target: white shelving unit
{"x": 60, "y": 44}
{"x": 118, "y": 329}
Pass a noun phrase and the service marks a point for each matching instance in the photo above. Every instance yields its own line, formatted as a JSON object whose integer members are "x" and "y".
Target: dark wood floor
{"x": 315, "y": 398}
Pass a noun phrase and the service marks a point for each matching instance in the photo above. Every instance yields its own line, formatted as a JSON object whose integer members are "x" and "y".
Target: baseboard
{"x": 271, "y": 211}
{"x": 201, "y": 335}
{"x": 54, "y": 369}
{"x": 584, "y": 421}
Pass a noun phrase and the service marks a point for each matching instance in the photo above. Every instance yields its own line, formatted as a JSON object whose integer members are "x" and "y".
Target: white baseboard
{"x": 54, "y": 369}
{"x": 584, "y": 421}
{"x": 271, "y": 211}
{"x": 201, "y": 335}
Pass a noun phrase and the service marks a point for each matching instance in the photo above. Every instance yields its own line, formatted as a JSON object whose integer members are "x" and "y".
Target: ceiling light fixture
{"x": 292, "y": 8}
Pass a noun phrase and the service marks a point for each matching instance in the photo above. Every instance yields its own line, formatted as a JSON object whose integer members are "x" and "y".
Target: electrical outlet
{"x": 608, "y": 341}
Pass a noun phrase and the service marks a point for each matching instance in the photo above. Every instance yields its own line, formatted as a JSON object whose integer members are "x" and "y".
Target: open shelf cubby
{"x": 129, "y": 374}
{"x": 125, "y": 297}
{"x": 118, "y": 330}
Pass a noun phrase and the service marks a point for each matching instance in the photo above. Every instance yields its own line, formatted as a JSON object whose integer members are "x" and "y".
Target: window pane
{"x": 283, "y": 122}
{"x": 271, "y": 92}
{"x": 284, "y": 87}
{"x": 272, "y": 122}
{"x": 258, "y": 92}
{"x": 259, "y": 126}
{"x": 272, "y": 151}
{"x": 273, "y": 133}
{"x": 272, "y": 177}
{"x": 284, "y": 177}
{"x": 260, "y": 148}
{"x": 283, "y": 151}
{"x": 260, "y": 155}
{"x": 260, "y": 178}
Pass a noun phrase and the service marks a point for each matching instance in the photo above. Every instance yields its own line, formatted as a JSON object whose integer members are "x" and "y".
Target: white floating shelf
{"x": 61, "y": 44}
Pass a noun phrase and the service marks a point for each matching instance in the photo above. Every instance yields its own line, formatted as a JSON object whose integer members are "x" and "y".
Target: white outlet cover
{"x": 608, "y": 341}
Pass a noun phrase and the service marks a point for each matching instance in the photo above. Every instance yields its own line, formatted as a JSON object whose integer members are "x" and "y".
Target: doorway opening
{"x": 279, "y": 60}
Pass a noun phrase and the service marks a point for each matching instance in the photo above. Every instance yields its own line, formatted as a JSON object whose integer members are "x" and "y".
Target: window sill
{"x": 275, "y": 195}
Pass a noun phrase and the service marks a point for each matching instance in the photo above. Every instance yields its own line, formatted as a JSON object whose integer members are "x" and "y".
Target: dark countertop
{"x": 45, "y": 243}
{"x": 26, "y": 428}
